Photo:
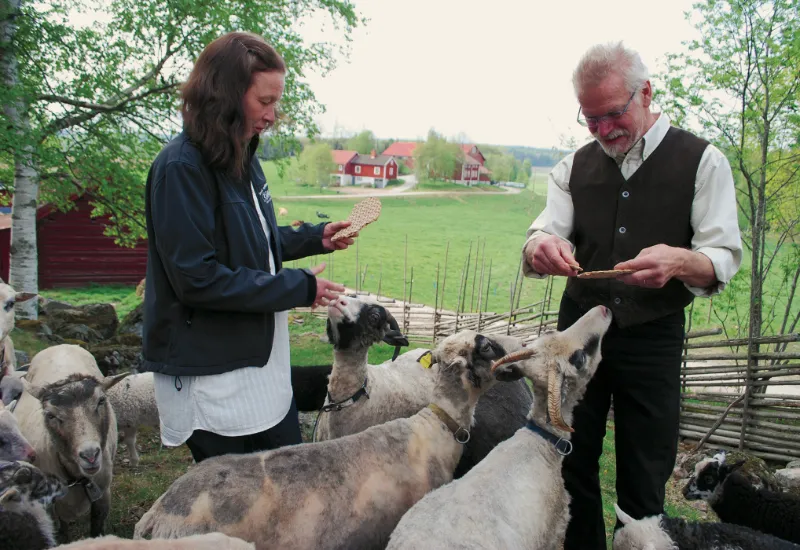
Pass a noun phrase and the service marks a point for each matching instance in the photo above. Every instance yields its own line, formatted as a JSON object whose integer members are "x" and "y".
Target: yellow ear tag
{"x": 425, "y": 360}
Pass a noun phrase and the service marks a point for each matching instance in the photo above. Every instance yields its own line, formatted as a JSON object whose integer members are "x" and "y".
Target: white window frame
{"x": 358, "y": 169}
{"x": 391, "y": 171}
{"x": 377, "y": 171}
{"x": 341, "y": 167}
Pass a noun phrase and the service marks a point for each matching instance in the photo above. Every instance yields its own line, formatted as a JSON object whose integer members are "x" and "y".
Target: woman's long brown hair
{"x": 213, "y": 117}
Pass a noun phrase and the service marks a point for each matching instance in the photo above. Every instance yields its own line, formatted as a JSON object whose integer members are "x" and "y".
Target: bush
{"x": 404, "y": 170}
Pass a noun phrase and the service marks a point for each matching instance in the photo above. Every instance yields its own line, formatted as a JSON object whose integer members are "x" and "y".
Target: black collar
{"x": 338, "y": 406}
{"x": 563, "y": 446}
{"x": 93, "y": 492}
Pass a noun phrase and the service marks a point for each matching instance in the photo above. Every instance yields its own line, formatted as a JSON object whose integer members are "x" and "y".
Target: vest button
{"x": 625, "y": 194}
{"x": 622, "y": 230}
{"x": 617, "y": 301}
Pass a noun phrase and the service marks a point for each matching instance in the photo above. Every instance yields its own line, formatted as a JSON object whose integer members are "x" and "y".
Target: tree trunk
{"x": 23, "y": 275}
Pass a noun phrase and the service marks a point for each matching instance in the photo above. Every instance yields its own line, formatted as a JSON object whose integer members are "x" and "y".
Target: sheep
{"x": 65, "y": 415}
{"x": 8, "y": 297}
{"x": 664, "y": 533}
{"x": 342, "y": 493}
{"x": 10, "y": 388}
{"x": 13, "y": 445}
{"x": 211, "y": 541}
{"x": 735, "y": 500}
{"x": 400, "y": 388}
{"x": 25, "y": 494}
{"x": 515, "y": 497}
{"x": 134, "y": 404}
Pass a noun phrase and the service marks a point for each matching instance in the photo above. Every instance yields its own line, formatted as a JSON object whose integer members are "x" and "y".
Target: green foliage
{"x": 437, "y": 158}
{"x": 314, "y": 165}
{"x": 403, "y": 169}
{"x": 363, "y": 143}
{"x": 102, "y": 98}
{"x": 505, "y": 167}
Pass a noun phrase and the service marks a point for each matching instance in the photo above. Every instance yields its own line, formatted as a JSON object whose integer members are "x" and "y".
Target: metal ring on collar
{"x": 567, "y": 447}
{"x": 462, "y": 439}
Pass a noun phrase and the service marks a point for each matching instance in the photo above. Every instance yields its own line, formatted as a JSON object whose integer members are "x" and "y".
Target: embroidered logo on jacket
{"x": 266, "y": 196}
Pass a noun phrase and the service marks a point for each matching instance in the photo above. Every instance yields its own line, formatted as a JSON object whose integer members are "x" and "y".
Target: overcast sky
{"x": 498, "y": 71}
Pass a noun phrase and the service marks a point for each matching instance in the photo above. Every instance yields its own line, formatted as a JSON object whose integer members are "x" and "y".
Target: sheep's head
{"x": 10, "y": 389}
{"x": 468, "y": 355}
{"x": 20, "y": 480}
{"x": 560, "y": 365}
{"x": 355, "y": 324}
{"x": 9, "y": 297}
{"x": 709, "y": 474}
{"x": 643, "y": 534}
{"x": 13, "y": 445}
{"x": 77, "y": 416}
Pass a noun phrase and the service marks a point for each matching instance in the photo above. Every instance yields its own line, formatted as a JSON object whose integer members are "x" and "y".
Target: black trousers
{"x": 640, "y": 368}
{"x": 204, "y": 444}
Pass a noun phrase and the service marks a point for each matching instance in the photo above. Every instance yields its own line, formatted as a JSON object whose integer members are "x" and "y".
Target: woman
{"x": 215, "y": 323}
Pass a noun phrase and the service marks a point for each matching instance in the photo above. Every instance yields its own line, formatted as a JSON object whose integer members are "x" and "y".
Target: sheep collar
{"x": 338, "y": 406}
{"x": 563, "y": 446}
{"x": 93, "y": 492}
{"x": 460, "y": 434}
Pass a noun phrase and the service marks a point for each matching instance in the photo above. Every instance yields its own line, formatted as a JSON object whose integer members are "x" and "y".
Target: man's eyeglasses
{"x": 594, "y": 121}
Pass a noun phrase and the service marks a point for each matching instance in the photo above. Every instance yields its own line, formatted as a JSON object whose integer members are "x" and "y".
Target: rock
{"x": 793, "y": 464}
{"x": 307, "y": 421}
{"x": 29, "y": 325}
{"x": 788, "y": 477}
{"x": 46, "y": 306}
{"x": 140, "y": 288}
{"x": 133, "y": 323}
{"x": 679, "y": 473}
{"x": 80, "y": 332}
{"x": 22, "y": 358}
{"x": 100, "y": 317}
{"x": 324, "y": 339}
{"x": 116, "y": 358}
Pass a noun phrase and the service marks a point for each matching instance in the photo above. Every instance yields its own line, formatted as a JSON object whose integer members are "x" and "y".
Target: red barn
{"x": 73, "y": 251}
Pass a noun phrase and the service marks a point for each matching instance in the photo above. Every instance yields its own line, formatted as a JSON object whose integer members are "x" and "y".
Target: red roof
{"x": 343, "y": 157}
{"x": 401, "y": 149}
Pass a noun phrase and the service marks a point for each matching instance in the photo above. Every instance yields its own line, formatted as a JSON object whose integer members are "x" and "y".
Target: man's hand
{"x": 326, "y": 290}
{"x": 330, "y": 230}
{"x": 656, "y": 265}
{"x": 552, "y": 255}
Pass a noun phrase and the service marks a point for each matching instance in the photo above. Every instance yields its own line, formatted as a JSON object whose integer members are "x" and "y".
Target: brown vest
{"x": 615, "y": 219}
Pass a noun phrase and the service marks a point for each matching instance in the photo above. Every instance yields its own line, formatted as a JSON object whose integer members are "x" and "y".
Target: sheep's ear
{"x": 393, "y": 336}
{"x": 108, "y": 382}
{"x": 24, "y": 296}
{"x": 35, "y": 391}
{"x": 726, "y": 469}
{"x": 623, "y": 517}
{"x": 11, "y": 406}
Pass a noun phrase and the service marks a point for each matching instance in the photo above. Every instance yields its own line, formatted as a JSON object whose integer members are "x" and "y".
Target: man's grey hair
{"x": 603, "y": 60}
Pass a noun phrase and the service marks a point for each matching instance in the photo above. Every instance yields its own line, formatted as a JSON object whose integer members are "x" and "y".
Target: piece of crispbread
{"x": 605, "y": 274}
{"x": 363, "y": 214}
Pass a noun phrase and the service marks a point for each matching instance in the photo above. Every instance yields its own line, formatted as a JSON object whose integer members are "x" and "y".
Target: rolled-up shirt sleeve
{"x": 557, "y": 216}
{"x": 715, "y": 221}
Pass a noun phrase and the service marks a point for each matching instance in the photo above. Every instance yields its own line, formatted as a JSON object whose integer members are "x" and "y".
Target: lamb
{"x": 665, "y": 533}
{"x": 211, "y": 541}
{"x": 400, "y": 388}
{"x": 13, "y": 445}
{"x": 65, "y": 415}
{"x": 735, "y": 500}
{"x": 134, "y": 404}
{"x": 515, "y": 497}
{"x": 347, "y": 492}
{"x": 25, "y": 494}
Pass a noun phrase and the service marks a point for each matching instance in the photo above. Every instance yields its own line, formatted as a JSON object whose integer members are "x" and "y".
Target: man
{"x": 643, "y": 195}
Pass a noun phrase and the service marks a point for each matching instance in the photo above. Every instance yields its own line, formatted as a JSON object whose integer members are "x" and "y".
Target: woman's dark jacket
{"x": 210, "y": 298}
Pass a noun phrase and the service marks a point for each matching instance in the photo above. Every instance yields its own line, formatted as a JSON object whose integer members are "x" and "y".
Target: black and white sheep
{"x": 515, "y": 498}
{"x": 665, "y": 533}
{"x": 65, "y": 415}
{"x": 348, "y": 492}
{"x": 25, "y": 494}
{"x": 734, "y": 499}
{"x": 400, "y": 388}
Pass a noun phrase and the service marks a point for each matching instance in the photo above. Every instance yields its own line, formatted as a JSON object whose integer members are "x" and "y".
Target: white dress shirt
{"x": 713, "y": 218}
{"x": 240, "y": 402}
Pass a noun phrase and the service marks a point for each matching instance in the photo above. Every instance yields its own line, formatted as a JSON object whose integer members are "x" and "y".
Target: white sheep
{"x": 13, "y": 445}
{"x": 342, "y": 493}
{"x": 134, "y": 403}
{"x": 25, "y": 494}
{"x": 210, "y": 541}
{"x": 664, "y": 533}
{"x": 65, "y": 415}
{"x": 9, "y": 297}
{"x": 373, "y": 394}
{"x": 515, "y": 497}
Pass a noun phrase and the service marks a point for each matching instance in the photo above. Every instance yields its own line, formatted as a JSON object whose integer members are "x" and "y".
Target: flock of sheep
{"x": 446, "y": 448}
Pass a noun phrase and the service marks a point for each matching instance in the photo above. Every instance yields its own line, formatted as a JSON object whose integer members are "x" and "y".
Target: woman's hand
{"x": 330, "y": 230}
{"x": 326, "y": 290}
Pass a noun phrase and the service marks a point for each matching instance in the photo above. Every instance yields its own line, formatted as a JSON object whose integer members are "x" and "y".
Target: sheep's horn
{"x": 514, "y": 357}
{"x": 554, "y": 382}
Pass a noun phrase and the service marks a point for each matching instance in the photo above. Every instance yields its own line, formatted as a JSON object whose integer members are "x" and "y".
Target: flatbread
{"x": 363, "y": 214}
{"x": 609, "y": 274}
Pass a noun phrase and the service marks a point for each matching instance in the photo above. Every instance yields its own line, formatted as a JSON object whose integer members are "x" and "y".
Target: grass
{"x": 280, "y": 184}
{"x": 122, "y": 297}
{"x": 439, "y": 186}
